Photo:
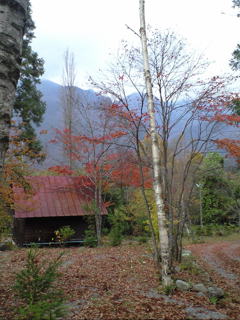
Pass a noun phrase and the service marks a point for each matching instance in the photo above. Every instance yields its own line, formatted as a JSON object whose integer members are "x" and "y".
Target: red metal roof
{"x": 55, "y": 196}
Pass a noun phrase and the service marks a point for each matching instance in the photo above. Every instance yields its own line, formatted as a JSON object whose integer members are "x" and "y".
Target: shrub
{"x": 168, "y": 290}
{"x": 5, "y": 224}
{"x": 209, "y": 230}
{"x": 90, "y": 239}
{"x": 189, "y": 264}
{"x": 64, "y": 233}
{"x": 120, "y": 217}
{"x": 142, "y": 239}
{"x": 35, "y": 286}
{"x": 213, "y": 300}
{"x": 115, "y": 235}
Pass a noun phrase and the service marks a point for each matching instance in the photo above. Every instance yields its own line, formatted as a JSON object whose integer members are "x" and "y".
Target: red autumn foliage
{"x": 221, "y": 111}
{"x": 232, "y": 146}
{"x": 61, "y": 170}
{"x": 126, "y": 173}
{"x": 128, "y": 117}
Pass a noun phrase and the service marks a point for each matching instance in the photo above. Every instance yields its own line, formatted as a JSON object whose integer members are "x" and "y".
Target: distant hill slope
{"x": 53, "y": 117}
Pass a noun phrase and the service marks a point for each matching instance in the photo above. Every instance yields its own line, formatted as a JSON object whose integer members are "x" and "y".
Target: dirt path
{"x": 222, "y": 259}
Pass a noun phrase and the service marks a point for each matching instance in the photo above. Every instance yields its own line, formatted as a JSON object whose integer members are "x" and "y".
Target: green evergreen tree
{"x": 217, "y": 200}
{"x": 36, "y": 286}
{"x": 29, "y": 107}
{"x": 235, "y": 61}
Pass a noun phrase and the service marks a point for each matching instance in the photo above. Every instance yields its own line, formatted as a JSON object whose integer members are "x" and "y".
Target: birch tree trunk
{"x": 13, "y": 16}
{"x": 162, "y": 220}
{"x": 156, "y": 254}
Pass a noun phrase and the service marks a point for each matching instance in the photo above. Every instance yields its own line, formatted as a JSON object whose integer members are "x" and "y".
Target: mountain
{"x": 53, "y": 117}
{"x": 197, "y": 129}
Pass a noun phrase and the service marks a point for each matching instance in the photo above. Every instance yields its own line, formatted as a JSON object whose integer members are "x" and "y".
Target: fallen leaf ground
{"x": 115, "y": 283}
{"x": 222, "y": 262}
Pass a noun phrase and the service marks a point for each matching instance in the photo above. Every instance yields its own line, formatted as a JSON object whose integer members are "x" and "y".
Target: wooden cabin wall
{"x": 42, "y": 229}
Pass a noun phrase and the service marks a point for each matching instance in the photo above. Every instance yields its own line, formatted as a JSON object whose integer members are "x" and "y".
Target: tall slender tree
{"x": 69, "y": 101}
{"x": 162, "y": 219}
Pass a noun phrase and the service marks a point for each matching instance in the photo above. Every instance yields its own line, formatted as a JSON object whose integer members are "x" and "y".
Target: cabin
{"x": 53, "y": 202}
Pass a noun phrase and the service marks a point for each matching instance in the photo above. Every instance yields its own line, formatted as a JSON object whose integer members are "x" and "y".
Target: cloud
{"x": 93, "y": 28}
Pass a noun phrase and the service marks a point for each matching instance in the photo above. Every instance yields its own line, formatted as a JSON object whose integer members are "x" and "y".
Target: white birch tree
{"x": 162, "y": 219}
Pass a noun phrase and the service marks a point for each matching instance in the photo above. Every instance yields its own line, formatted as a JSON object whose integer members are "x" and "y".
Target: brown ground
{"x": 120, "y": 283}
{"x": 223, "y": 258}
{"x": 222, "y": 262}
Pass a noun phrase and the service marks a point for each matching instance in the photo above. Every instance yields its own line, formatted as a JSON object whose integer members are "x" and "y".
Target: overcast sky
{"x": 94, "y": 28}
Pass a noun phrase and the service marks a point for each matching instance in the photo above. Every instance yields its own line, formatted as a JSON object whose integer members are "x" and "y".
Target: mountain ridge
{"x": 53, "y": 117}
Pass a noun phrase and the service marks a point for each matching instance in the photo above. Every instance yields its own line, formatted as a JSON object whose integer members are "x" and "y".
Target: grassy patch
{"x": 189, "y": 264}
{"x": 211, "y": 239}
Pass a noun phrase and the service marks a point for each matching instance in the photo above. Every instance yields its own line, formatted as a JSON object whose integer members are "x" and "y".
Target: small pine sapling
{"x": 35, "y": 286}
